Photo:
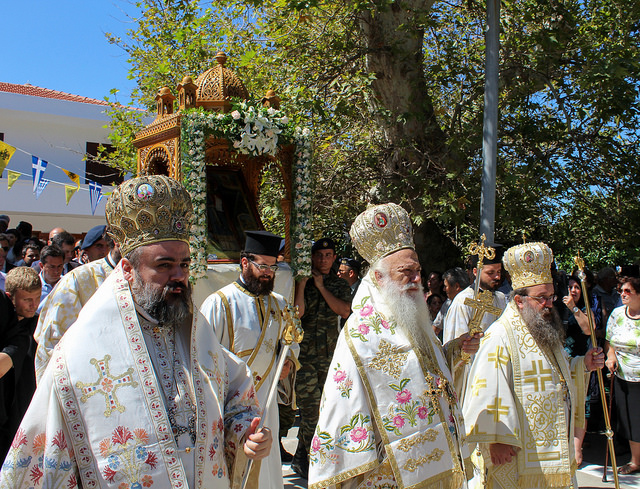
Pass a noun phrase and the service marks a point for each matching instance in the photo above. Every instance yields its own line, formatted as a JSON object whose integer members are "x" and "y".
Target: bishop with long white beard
{"x": 389, "y": 416}
{"x": 525, "y": 397}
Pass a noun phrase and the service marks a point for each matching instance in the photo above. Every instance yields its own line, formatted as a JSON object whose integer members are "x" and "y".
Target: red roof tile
{"x": 47, "y": 93}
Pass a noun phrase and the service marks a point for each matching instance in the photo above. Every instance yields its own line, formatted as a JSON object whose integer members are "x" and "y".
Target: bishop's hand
{"x": 470, "y": 342}
{"x": 257, "y": 444}
{"x": 501, "y": 453}
{"x": 594, "y": 359}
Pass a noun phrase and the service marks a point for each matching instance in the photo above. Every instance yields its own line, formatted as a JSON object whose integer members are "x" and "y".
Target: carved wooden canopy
{"x": 158, "y": 144}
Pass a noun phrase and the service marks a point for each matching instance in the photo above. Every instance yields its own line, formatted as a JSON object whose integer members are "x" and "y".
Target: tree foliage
{"x": 393, "y": 92}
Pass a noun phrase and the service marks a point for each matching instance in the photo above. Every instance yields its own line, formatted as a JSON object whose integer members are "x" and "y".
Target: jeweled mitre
{"x": 147, "y": 210}
{"x": 382, "y": 230}
{"x": 529, "y": 264}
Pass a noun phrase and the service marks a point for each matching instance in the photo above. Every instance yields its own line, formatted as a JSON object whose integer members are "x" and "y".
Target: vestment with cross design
{"x": 251, "y": 326}
{"x": 106, "y": 412}
{"x": 523, "y": 396}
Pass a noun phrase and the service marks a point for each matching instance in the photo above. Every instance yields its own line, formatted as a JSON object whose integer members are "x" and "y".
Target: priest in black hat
{"x": 247, "y": 319}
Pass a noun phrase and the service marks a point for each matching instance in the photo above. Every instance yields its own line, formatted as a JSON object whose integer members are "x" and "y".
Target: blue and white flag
{"x": 38, "y": 167}
{"x": 95, "y": 195}
{"x": 41, "y": 186}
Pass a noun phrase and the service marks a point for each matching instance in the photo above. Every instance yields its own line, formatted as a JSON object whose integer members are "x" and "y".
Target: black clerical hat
{"x": 262, "y": 243}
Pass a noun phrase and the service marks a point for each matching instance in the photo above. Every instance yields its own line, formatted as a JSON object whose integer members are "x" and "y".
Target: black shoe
{"x": 285, "y": 456}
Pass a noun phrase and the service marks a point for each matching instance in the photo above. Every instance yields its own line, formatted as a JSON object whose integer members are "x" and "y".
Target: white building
{"x": 61, "y": 129}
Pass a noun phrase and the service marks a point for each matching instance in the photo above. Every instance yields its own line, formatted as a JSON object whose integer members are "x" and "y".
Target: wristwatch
{"x": 575, "y": 309}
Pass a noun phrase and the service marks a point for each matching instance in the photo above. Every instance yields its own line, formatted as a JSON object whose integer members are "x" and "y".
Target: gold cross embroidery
{"x": 106, "y": 385}
{"x": 499, "y": 357}
{"x": 538, "y": 375}
{"x": 497, "y": 409}
{"x": 389, "y": 359}
{"x": 475, "y": 430}
{"x": 478, "y": 384}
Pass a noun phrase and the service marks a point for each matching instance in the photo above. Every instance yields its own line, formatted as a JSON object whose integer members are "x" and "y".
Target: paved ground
{"x": 589, "y": 474}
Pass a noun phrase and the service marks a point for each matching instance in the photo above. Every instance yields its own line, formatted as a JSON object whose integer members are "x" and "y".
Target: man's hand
{"x": 286, "y": 368}
{"x": 257, "y": 445}
{"x": 594, "y": 359}
{"x": 470, "y": 343}
{"x": 318, "y": 279}
{"x": 501, "y": 453}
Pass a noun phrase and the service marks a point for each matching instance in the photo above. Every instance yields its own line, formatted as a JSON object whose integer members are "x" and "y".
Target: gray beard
{"x": 547, "y": 332}
{"x": 166, "y": 308}
{"x": 409, "y": 311}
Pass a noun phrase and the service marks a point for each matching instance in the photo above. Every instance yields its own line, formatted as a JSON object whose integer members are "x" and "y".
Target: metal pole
{"x": 490, "y": 127}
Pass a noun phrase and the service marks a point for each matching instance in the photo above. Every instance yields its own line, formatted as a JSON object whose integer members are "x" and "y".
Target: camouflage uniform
{"x": 321, "y": 328}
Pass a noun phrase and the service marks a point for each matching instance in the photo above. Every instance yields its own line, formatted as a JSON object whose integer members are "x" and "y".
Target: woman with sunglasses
{"x": 623, "y": 358}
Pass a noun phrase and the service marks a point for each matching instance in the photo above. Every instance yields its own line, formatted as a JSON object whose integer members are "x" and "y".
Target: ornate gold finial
{"x": 482, "y": 251}
{"x": 293, "y": 332}
{"x": 221, "y": 57}
{"x": 147, "y": 210}
{"x": 524, "y": 237}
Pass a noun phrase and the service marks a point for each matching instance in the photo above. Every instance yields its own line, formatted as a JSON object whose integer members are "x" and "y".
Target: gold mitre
{"x": 147, "y": 210}
{"x": 529, "y": 264}
{"x": 382, "y": 230}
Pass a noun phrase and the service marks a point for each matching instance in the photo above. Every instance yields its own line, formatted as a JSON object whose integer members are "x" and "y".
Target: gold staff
{"x": 482, "y": 301}
{"x": 594, "y": 342}
{"x": 292, "y": 333}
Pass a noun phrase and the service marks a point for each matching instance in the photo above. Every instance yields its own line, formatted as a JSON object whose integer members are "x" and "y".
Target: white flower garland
{"x": 254, "y": 130}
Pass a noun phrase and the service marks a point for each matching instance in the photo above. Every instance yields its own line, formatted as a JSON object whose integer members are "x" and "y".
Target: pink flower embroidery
{"x": 403, "y": 396}
{"x": 315, "y": 444}
{"x": 363, "y": 328}
{"x": 339, "y": 376}
{"x": 423, "y": 412}
{"x": 385, "y": 324}
{"x": 366, "y": 310}
{"x": 398, "y": 421}
{"x": 358, "y": 434}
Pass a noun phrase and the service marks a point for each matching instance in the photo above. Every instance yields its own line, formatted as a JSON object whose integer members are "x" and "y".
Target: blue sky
{"x": 61, "y": 45}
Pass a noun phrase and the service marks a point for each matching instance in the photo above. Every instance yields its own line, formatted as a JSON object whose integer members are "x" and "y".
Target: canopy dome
{"x": 219, "y": 83}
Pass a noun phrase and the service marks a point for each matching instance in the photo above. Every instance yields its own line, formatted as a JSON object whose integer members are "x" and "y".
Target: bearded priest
{"x": 525, "y": 396}
{"x": 389, "y": 415}
{"x": 247, "y": 317}
{"x": 138, "y": 392}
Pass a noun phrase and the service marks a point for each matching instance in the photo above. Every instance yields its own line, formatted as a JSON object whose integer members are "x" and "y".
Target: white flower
{"x": 284, "y": 120}
{"x": 236, "y": 115}
{"x": 271, "y": 111}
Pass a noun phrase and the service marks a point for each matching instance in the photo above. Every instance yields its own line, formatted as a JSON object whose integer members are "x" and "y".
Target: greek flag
{"x": 95, "y": 195}
{"x": 38, "y": 168}
{"x": 41, "y": 186}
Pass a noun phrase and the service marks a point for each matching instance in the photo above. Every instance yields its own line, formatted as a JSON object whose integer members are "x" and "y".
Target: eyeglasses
{"x": 541, "y": 299}
{"x": 627, "y": 291}
{"x": 264, "y": 268}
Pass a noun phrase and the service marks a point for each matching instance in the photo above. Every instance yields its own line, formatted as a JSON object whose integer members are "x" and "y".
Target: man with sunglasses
{"x": 525, "y": 396}
{"x": 247, "y": 317}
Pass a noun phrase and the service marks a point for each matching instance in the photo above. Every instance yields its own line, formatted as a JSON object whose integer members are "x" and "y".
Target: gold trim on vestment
{"x": 349, "y": 474}
{"x": 227, "y": 310}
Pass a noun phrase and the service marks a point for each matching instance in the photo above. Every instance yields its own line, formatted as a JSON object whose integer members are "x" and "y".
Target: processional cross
{"x": 482, "y": 301}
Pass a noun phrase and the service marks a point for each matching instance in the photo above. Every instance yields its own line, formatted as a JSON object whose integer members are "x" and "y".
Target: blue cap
{"x": 95, "y": 234}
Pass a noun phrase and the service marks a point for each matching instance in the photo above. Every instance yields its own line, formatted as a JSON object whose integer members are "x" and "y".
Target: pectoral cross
{"x": 483, "y": 304}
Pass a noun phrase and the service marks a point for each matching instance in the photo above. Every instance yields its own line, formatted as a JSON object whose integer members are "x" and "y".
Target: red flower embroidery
{"x": 147, "y": 481}
{"x": 36, "y": 474}
{"x": 141, "y": 435}
{"x": 121, "y": 435}
{"x": 19, "y": 439}
{"x": 73, "y": 482}
{"x": 109, "y": 474}
{"x": 152, "y": 460}
{"x": 59, "y": 440}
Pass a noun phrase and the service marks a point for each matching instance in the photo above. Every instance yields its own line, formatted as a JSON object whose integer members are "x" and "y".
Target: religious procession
{"x": 330, "y": 259}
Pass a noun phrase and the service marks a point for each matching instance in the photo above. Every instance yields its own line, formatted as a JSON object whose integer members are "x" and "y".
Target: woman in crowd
{"x": 623, "y": 357}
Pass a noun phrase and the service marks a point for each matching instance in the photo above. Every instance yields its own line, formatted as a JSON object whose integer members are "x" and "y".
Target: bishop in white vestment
{"x": 389, "y": 415}
{"x": 525, "y": 395}
{"x": 248, "y": 319}
{"x": 139, "y": 393}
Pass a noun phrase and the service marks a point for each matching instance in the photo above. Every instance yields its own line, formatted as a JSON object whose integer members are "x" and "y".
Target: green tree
{"x": 393, "y": 92}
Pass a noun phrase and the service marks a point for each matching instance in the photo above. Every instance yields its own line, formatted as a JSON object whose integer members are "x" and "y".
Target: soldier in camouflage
{"x": 322, "y": 301}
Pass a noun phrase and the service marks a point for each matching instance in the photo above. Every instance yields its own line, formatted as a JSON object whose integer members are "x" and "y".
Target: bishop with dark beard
{"x": 247, "y": 319}
{"x": 525, "y": 396}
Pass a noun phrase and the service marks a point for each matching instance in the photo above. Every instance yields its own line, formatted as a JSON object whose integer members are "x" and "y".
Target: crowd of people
{"x": 478, "y": 376}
